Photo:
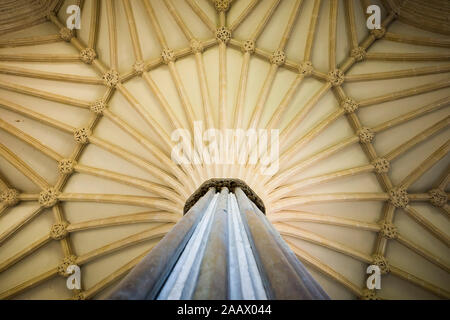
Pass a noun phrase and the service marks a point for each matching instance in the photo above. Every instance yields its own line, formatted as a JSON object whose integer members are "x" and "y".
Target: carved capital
{"x": 110, "y": 78}
{"x": 305, "y": 68}
{"x": 349, "y": 105}
{"x": 335, "y": 77}
{"x": 222, "y": 5}
{"x": 278, "y": 57}
{"x": 88, "y": 55}
{"x": 388, "y": 230}
{"x": 79, "y": 296}
{"x": 168, "y": 56}
{"x": 59, "y": 231}
{"x": 139, "y": 67}
{"x": 10, "y": 197}
{"x": 381, "y": 262}
{"x": 399, "y": 197}
{"x": 196, "y": 46}
{"x": 66, "y": 34}
{"x": 438, "y": 197}
{"x": 365, "y": 135}
{"x": 397, "y": 11}
{"x": 248, "y": 46}
{"x": 67, "y": 261}
{"x": 358, "y": 53}
{"x": 98, "y": 106}
{"x": 369, "y": 295}
{"x": 381, "y": 165}
{"x": 65, "y": 166}
{"x": 81, "y": 135}
{"x": 48, "y": 197}
{"x": 223, "y": 34}
{"x": 378, "y": 33}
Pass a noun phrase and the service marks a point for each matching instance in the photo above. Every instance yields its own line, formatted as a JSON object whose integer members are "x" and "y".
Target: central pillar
{"x": 223, "y": 248}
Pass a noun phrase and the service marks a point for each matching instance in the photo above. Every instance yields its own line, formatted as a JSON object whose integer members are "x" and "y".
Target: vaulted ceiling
{"x": 86, "y": 118}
